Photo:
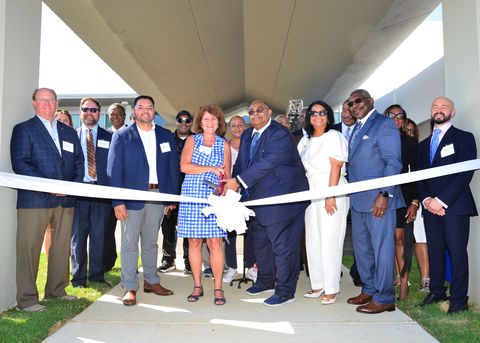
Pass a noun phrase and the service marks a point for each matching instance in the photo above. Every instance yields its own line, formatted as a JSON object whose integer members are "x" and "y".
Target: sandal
{"x": 219, "y": 301}
{"x": 193, "y": 298}
{"x": 425, "y": 287}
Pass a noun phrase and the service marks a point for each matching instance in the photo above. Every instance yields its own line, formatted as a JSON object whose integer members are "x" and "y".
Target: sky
{"x": 64, "y": 69}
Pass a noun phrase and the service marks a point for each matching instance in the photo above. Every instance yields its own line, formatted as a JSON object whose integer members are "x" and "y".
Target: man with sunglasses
{"x": 374, "y": 152}
{"x": 92, "y": 215}
{"x": 268, "y": 164}
{"x": 346, "y": 128}
{"x": 184, "y": 124}
{"x": 44, "y": 147}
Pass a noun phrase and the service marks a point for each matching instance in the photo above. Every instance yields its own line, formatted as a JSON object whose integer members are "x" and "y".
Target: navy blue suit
{"x": 128, "y": 165}
{"x": 34, "y": 153}
{"x": 275, "y": 169}
{"x": 450, "y": 231}
{"x": 91, "y": 220}
{"x": 376, "y": 152}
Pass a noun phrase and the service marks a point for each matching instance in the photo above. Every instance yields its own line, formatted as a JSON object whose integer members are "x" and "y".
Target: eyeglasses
{"x": 356, "y": 101}
{"x": 259, "y": 109}
{"x": 322, "y": 113}
{"x": 184, "y": 120}
{"x": 411, "y": 130}
{"x": 44, "y": 101}
{"x": 400, "y": 116}
{"x": 92, "y": 110}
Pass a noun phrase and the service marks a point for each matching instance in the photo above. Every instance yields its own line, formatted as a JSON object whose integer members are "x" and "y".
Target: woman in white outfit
{"x": 324, "y": 153}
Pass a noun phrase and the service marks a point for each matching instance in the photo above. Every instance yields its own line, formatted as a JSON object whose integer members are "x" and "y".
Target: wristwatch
{"x": 384, "y": 194}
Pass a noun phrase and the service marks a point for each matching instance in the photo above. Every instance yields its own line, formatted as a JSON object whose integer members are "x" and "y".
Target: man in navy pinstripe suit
{"x": 92, "y": 215}
{"x": 44, "y": 147}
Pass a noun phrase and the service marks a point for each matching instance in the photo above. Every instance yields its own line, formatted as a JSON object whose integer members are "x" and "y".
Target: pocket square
{"x": 365, "y": 137}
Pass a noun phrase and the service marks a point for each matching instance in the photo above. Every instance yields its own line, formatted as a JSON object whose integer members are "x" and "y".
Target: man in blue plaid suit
{"x": 44, "y": 147}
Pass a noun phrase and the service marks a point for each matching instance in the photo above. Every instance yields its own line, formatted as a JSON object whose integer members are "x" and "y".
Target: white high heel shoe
{"x": 328, "y": 301}
{"x": 312, "y": 294}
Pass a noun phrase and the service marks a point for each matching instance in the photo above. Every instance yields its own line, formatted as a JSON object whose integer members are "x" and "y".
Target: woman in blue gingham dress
{"x": 205, "y": 156}
{"x": 191, "y": 221}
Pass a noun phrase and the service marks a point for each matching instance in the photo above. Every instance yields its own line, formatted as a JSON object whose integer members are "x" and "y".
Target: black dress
{"x": 409, "y": 192}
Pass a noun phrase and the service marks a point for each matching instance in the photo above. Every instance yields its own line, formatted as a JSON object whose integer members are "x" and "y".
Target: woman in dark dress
{"x": 405, "y": 215}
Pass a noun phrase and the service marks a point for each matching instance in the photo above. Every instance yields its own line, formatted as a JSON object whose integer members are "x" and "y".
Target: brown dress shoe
{"x": 374, "y": 307}
{"x": 129, "y": 298}
{"x": 361, "y": 299}
{"x": 156, "y": 288}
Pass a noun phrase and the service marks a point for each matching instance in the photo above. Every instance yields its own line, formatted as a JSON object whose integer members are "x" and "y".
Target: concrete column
{"x": 461, "y": 27}
{"x": 19, "y": 66}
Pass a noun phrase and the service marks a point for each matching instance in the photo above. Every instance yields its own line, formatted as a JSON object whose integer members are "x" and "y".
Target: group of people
{"x": 262, "y": 161}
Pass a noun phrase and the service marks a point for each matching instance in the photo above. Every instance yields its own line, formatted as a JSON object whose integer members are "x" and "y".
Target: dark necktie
{"x": 92, "y": 170}
{"x": 355, "y": 133}
{"x": 254, "y": 142}
{"x": 245, "y": 191}
{"x": 434, "y": 146}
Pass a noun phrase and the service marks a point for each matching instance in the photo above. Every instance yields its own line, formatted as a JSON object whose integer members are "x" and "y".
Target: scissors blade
{"x": 214, "y": 186}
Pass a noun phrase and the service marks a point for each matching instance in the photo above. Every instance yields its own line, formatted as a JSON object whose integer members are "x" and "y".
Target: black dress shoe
{"x": 456, "y": 307}
{"x": 357, "y": 282}
{"x": 83, "y": 285}
{"x": 431, "y": 299}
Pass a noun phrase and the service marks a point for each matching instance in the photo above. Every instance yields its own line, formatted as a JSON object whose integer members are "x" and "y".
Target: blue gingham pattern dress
{"x": 191, "y": 221}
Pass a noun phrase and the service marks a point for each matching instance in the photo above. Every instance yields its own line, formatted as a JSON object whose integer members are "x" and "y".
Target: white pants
{"x": 324, "y": 236}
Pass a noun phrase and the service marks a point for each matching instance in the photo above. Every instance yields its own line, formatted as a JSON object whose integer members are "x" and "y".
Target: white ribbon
{"x": 228, "y": 209}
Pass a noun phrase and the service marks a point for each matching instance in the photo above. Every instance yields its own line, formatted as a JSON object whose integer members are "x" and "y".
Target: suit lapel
{"x": 447, "y": 138}
{"x": 138, "y": 141}
{"x": 47, "y": 136}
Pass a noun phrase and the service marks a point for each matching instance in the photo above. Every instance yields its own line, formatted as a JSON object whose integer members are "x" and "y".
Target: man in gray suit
{"x": 374, "y": 152}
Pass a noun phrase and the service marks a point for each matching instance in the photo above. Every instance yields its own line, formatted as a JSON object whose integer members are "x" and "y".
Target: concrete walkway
{"x": 242, "y": 318}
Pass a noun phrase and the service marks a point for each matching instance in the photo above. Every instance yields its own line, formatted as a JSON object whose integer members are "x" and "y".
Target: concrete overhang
{"x": 188, "y": 53}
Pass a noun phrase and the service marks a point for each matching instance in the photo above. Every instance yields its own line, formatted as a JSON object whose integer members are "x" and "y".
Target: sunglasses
{"x": 411, "y": 130}
{"x": 92, "y": 110}
{"x": 400, "y": 116}
{"x": 356, "y": 101}
{"x": 184, "y": 120}
{"x": 259, "y": 109}
{"x": 322, "y": 113}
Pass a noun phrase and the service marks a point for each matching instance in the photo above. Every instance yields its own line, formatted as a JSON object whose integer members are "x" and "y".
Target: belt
{"x": 91, "y": 182}
{"x": 151, "y": 186}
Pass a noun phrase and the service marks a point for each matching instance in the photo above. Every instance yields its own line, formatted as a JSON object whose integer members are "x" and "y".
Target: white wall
{"x": 416, "y": 96}
{"x": 461, "y": 20}
{"x": 19, "y": 62}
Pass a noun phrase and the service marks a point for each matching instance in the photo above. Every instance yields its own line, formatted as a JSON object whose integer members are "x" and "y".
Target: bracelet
{"x": 416, "y": 204}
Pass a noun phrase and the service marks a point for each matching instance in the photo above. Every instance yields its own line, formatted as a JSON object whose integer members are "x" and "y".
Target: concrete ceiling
{"x": 188, "y": 53}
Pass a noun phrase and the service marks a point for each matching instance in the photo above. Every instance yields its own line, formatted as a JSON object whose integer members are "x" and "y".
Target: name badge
{"x": 165, "y": 147}
{"x": 67, "y": 146}
{"x": 103, "y": 144}
{"x": 205, "y": 150}
{"x": 447, "y": 150}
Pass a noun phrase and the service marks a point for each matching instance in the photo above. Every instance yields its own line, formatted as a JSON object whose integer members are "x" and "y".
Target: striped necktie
{"x": 347, "y": 134}
{"x": 92, "y": 169}
{"x": 434, "y": 145}
{"x": 355, "y": 133}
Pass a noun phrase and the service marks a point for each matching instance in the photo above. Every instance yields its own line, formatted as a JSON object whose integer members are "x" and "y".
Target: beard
{"x": 90, "y": 121}
{"x": 441, "y": 120}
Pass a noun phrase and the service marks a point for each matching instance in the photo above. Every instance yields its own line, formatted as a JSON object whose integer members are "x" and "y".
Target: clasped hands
{"x": 433, "y": 206}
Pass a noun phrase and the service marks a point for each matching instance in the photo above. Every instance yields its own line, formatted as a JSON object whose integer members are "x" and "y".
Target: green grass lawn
{"x": 19, "y": 326}
{"x": 462, "y": 327}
